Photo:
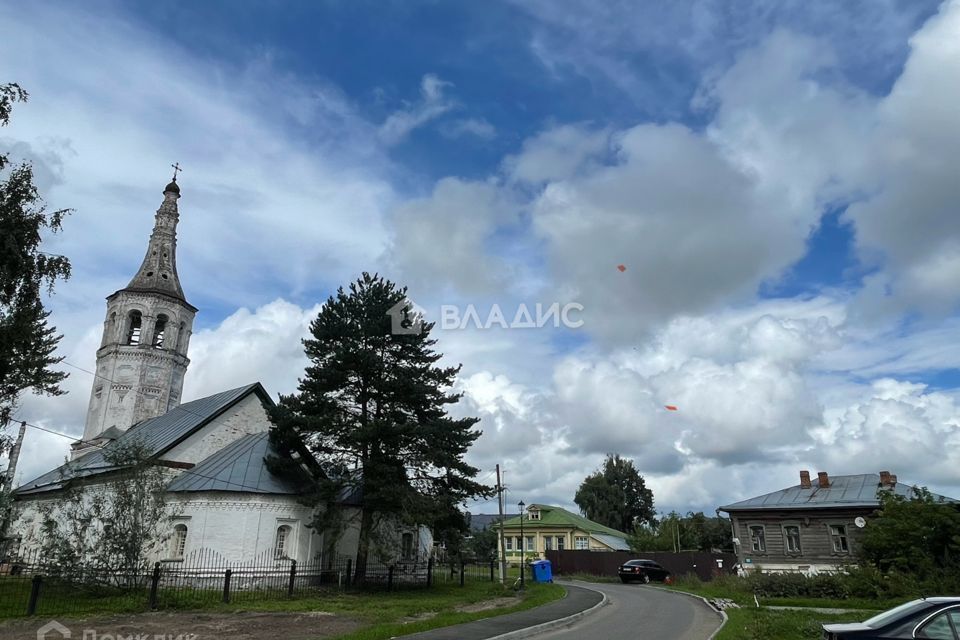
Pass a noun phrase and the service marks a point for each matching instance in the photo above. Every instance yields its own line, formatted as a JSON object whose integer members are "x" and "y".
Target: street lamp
{"x": 523, "y": 542}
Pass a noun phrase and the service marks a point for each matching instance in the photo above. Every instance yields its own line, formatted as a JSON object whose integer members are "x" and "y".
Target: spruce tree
{"x": 372, "y": 409}
{"x": 27, "y": 341}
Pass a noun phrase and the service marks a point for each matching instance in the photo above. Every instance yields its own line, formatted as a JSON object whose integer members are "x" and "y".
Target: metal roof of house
{"x": 240, "y": 466}
{"x": 158, "y": 435}
{"x": 560, "y": 517}
{"x": 844, "y": 491}
{"x": 614, "y": 542}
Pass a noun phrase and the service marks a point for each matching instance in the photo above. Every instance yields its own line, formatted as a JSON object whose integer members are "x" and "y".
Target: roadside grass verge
{"x": 384, "y": 614}
{"x": 400, "y": 614}
{"x": 766, "y": 624}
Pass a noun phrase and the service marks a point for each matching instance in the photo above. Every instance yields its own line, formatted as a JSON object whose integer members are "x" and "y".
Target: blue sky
{"x": 773, "y": 176}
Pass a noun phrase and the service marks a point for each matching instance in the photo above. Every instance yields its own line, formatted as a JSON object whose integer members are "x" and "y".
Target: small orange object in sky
{"x": 669, "y": 407}
{"x": 621, "y": 267}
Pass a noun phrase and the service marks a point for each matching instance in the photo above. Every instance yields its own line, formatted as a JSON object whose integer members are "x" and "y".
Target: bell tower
{"x": 143, "y": 354}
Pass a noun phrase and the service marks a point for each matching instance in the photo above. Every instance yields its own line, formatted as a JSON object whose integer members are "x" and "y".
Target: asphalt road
{"x": 635, "y": 611}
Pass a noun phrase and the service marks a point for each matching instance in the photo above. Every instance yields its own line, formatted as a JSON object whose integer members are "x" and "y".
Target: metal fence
{"x": 31, "y": 586}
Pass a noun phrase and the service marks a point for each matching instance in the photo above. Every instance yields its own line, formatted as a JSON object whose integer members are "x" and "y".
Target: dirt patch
{"x": 486, "y": 605}
{"x": 301, "y": 625}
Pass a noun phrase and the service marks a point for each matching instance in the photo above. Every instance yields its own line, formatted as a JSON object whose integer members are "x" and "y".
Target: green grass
{"x": 389, "y": 613}
{"x": 384, "y": 614}
{"x": 764, "y": 624}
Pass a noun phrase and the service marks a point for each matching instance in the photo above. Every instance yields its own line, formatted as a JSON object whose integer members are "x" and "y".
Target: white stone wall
{"x": 242, "y": 526}
{"x": 245, "y": 417}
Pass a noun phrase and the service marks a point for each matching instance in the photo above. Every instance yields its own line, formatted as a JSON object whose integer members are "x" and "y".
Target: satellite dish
{"x": 860, "y": 522}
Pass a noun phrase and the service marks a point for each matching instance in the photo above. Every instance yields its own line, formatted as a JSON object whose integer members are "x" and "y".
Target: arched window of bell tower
{"x": 134, "y": 326}
{"x": 159, "y": 331}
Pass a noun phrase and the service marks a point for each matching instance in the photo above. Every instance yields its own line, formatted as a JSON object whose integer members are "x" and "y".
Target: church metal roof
{"x": 844, "y": 491}
{"x": 240, "y": 466}
{"x": 158, "y": 435}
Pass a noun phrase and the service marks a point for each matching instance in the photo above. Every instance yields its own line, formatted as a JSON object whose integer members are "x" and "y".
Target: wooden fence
{"x": 704, "y": 564}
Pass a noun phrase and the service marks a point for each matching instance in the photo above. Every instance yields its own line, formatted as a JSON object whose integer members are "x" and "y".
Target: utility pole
{"x": 503, "y": 549}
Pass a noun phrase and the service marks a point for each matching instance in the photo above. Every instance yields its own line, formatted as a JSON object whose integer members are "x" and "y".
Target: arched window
{"x": 179, "y": 542}
{"x": 283, "y": 540}
{"x": 406, "y": 546}
{"x": 159, "y": 330}
{"x": 133, "y": 327}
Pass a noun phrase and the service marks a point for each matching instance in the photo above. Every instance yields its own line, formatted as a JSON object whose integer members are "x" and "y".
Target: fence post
{"x": 429, "y": 572}
{"x": 226, "y": 585}
{"x": 390, "y": 578}
{"x": 34, "y": 594}
{"x": 491, "y": 571}
{"x": 293, "y": 576}
{"x": 349, "y": 571}
{"x": 154, "y": 585}
{"x": 461, "y": 572}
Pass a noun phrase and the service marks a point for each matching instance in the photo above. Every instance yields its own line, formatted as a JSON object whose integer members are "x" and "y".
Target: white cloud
{"x": 432, "y": 104}
{"x": 478, "y": 127}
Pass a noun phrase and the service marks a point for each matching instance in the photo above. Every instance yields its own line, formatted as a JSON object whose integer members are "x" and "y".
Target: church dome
{"x": 173, "y": 186}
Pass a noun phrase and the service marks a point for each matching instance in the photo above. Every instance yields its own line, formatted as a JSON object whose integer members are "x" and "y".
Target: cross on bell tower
{"x": 176, "y": 168}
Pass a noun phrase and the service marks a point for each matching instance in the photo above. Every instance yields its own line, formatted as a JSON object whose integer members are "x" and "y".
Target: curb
{"x": 723, "y": 614}
{"x": 553, "y": 624}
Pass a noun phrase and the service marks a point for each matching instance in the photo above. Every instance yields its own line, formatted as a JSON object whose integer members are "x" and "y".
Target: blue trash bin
{"x": 542, "y": 571}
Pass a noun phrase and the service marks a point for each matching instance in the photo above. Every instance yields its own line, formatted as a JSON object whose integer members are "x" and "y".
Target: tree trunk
{"x": 363, "y": 545}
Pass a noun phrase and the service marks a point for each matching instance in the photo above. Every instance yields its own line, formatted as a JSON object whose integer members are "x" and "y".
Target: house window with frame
{"x": 519, "y": 543}
{"x": 406, "y": 546}
{"x": 530, "y": 546}
{"x": 838, "y": 536}
{"x": 509, "y": 543}
{"x": 561, "y": 542}
{"x": 791, "y": 537}
{"x": 548, "y": 543}
{"x": 534, "y": 515}
{"x": 758, "y": 542}
{"x": 281, "y": 548}
{"x": 178, "y": 543}
{"x": 581, "y": 543}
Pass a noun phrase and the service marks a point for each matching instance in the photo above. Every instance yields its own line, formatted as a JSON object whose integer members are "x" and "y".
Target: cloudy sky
{"x": 778, "y": 180}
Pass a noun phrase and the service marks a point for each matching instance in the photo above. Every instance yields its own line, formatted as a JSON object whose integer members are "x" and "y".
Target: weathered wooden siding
{"x": 816, "y": 546}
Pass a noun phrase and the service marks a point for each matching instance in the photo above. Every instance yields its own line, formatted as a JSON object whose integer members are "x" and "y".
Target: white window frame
{"x": 178, "y": 542}
{"x": 843, "y": 538}
{"x": 530, "y": 543}
{"x": 762, "y": 539}
{"x": 581, "y": 543}
{"x": 508, "y": 541}
{"x": 786, "y": 540}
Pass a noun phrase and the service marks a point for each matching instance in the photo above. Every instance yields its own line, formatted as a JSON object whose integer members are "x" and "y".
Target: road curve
{"x": 636, "y": 611}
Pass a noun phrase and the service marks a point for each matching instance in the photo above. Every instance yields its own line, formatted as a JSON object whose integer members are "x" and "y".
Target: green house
{"x": 547, "y": 528}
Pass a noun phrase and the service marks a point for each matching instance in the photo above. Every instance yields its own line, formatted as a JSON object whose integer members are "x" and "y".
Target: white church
{"x": 223, "y": 499}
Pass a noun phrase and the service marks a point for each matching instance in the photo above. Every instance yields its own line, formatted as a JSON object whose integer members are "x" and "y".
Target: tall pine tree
{"x": 372, "y": 408}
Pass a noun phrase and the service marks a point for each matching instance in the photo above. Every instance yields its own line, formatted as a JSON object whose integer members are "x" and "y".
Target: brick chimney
{"x": 893, "y": 480}
{"x": 884, "y": 478}
{"x": 823, "y": 479}
{"x": 805, "y": 479}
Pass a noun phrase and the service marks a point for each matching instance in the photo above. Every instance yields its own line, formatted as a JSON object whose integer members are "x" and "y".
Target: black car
{"x": 936, "y": 618}
{"x": 642, "y": 570}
